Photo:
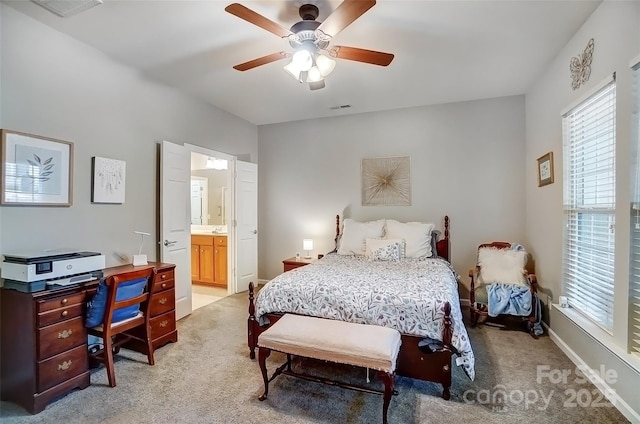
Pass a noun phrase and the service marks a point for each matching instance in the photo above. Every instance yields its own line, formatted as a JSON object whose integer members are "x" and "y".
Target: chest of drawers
{"x": 44, "y": 345}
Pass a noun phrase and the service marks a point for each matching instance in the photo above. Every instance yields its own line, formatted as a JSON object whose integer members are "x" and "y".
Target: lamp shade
{"x": 307, "y": 244}
{"x": 325, "y": 64}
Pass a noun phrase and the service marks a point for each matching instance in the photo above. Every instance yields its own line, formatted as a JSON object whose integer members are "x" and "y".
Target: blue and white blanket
{"x": 515, "y": 300}
{"x": 408, "y": 295}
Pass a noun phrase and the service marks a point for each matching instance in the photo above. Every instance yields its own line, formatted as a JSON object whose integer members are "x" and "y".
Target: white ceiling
{"x": 445, "y": 51}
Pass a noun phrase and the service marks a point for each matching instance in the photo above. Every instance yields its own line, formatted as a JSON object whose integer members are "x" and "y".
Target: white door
{"x": 246, "y": 225}
{"x": 175, "y": 223}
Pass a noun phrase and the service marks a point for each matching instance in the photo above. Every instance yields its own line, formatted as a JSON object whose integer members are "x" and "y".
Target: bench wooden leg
{"x": 388, "y": 380}
{"x": 263, "y": 354}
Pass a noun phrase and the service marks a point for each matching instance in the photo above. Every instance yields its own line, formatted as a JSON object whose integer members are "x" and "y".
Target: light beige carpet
{"x": 207, "y": 377}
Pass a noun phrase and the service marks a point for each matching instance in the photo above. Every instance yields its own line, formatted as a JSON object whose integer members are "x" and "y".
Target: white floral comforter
{"x": 408, "y": 295}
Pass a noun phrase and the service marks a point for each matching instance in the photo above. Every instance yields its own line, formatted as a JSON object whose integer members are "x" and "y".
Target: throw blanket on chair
{"x": 514, "y": 300}
{"x": 508, "y": 299}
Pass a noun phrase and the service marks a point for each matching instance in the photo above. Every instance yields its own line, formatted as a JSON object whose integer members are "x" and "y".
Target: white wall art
{"x": 108, "y": 180}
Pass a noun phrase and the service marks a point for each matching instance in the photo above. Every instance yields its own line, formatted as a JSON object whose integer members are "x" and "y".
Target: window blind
{"x": 589, "y": 205}
{"x": 634, "y": 250}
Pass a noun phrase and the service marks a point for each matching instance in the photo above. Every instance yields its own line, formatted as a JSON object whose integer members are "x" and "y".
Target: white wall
{"x": 466, "y": 161}
{"x": 58, "y": 87}
{"x": 615, "y": 28}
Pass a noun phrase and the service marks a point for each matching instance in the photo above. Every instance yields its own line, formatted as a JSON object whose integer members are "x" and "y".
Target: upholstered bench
{"x": 361, "y": 345}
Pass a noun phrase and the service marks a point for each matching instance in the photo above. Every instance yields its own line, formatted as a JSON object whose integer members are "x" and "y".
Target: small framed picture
{"x": 545, "y": 169}
{"x": 108, "y": 180}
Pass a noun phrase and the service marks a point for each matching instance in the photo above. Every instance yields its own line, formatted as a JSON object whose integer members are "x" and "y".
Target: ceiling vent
{"x": 340, "y": 107}
{"x": 65, "y": 8}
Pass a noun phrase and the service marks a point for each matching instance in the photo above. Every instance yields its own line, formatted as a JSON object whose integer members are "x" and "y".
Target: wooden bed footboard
{"x": 413, "y": 361}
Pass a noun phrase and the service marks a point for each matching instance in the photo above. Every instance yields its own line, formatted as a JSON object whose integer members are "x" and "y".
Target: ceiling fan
{"x": 312, "y": 60}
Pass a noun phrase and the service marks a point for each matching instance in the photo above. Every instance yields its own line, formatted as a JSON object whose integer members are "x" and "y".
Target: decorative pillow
{"x": 98, "y": 305}
{"x": 387, "y": 252}
{"x": 502, "y": 265}
{"x": 354, "y": 234}
{"x": 416, "y": 236}
{"x": 372, "y": 245}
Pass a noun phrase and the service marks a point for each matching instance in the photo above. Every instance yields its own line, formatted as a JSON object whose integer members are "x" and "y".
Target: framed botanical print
{"x": 36, "y": 170}
{"x": 545, "y": 169}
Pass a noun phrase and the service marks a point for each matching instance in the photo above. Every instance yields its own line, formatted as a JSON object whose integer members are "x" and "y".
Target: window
{"x": 634, "y": 260}
{"x": 589, "y": 205}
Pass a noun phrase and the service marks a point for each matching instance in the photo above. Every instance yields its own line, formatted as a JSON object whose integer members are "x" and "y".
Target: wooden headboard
{"x": 442, "y": 244}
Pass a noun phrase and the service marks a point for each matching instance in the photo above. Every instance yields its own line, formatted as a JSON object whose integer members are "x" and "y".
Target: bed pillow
{"x": 373, "y": 247}
{"x": 416, "y": 236}
{"x": 354, "y": 234}
{"x": 502, "y": 265}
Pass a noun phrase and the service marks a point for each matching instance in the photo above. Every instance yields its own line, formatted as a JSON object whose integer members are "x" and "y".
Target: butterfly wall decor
{"x": 580, "y": 66}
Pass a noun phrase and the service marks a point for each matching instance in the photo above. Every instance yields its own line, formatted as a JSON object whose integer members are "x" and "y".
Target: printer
{"x": 33, "y": 271}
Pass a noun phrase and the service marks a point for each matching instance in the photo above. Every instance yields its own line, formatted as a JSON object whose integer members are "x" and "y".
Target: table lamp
{"x": 307, "y": 244}
{"x": 140, "y": 259}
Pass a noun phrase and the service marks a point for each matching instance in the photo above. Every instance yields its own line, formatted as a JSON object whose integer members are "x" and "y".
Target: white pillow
{"x": 354, "y": 233}
{"x": 502, "y": 265}
{"x": 416, "y": 236}
{"x": 372, "y": 245}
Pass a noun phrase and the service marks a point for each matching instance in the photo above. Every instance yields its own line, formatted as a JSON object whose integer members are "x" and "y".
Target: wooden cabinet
{"x": 43, "y": 345}
{"x": 209, "y": 259}
{"x": 292, "y": 263}
{"x": 163, "y": 310}
{"x": 43, "y": 340}
{"x": 202, "y": 259}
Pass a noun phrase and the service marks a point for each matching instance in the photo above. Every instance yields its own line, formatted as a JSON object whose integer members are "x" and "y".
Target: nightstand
{"x": 292, "y": 263}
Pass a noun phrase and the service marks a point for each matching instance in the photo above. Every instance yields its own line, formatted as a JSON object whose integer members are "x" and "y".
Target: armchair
{"x": 504, "y": 267}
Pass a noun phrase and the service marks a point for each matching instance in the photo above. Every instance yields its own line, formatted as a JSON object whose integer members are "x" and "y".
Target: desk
{"x": 43, "y": 340}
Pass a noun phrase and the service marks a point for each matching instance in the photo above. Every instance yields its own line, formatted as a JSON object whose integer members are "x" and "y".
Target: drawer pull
{"x": 163, "y": 285}
{"x": 163, "y": 301}
{"x": 65, "y": 313}
{"x": 64, "y": 301}
{"x": 65, "y": 334}
{"x": 164, "y": 323}
{"x": 163, "y": 276}
{"x": 65, "y": 365}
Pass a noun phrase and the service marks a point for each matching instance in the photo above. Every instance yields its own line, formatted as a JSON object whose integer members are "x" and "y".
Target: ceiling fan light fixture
{"x": 316, "y": 85}
{"x": 293, "y": 70}
{"x": 325, "y": 64}
{"x": 314, "y": 75}
{"x": 303, "y": 59}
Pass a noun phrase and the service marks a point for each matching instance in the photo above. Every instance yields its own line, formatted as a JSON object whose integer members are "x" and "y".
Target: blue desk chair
{"x": 120, "y": 313}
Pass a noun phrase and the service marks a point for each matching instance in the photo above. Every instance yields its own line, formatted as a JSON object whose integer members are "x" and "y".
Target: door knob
{"x": 255, "y": 231}
{"x": 169, "y": 243}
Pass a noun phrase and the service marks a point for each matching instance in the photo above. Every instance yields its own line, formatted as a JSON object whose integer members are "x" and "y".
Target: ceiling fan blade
{"x": 347, "y": 12}
{"x": 361, "y": 55}
{"x": 262, "y": 61}
{"x": 255, "y": 18}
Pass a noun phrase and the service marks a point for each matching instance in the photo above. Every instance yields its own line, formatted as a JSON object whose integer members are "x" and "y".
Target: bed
{"x": 418, "y": 296}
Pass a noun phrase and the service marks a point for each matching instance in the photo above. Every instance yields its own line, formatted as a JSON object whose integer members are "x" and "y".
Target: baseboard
{"x": 262, "y": 282}
{"x": 594, "y": 377}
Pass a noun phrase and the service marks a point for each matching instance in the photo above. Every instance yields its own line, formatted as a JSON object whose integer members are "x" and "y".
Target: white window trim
{"x": 599, "y": 86}
{"x": 599, "y": 334}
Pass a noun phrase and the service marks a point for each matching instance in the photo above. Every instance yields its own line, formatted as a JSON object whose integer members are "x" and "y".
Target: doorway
{"x": 210, "y": 176}
{"x": 239, "y": 210}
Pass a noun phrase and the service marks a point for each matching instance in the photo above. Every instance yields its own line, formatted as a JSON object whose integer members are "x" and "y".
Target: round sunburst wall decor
{"x": 386, "y": 181}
